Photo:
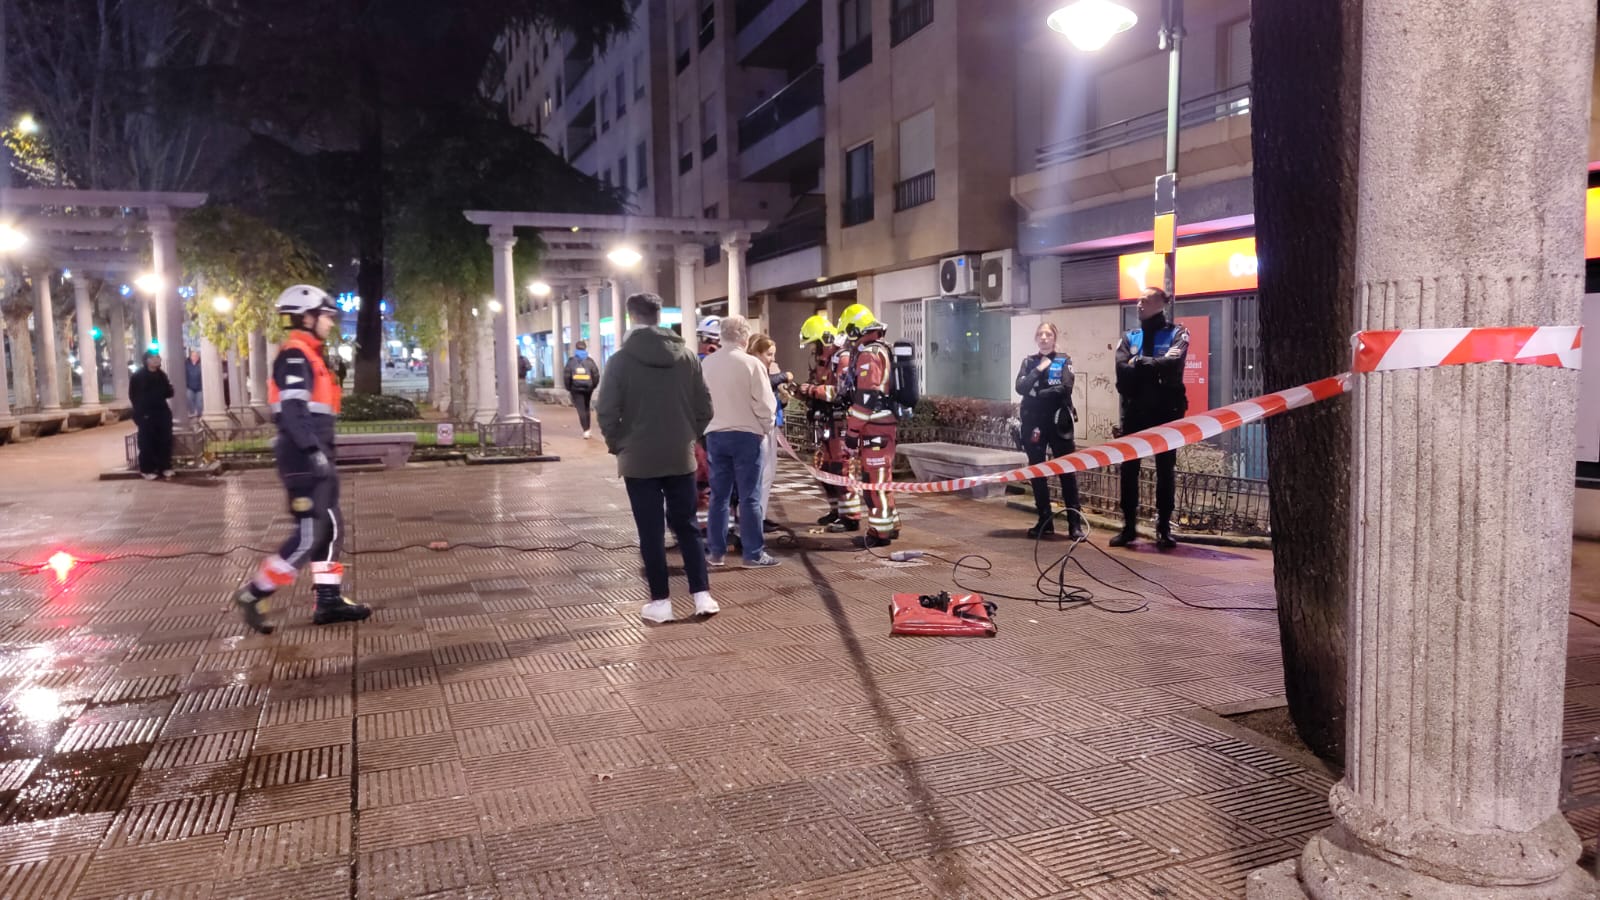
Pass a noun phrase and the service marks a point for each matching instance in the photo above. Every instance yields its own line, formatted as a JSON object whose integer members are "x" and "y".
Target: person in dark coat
{"x": 148, "y": 392}
{"x": 581, "y": 378}
{"x": 1048, "y": 421}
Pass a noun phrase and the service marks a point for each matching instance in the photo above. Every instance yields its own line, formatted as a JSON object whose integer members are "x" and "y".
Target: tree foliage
{"x": 228, "y": 253}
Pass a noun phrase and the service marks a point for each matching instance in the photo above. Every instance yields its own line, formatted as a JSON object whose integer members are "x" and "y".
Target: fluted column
{"x": 171, "y": 314}
{"x": 117, "y": 348}
{"x": 506, "y": 353}
{"x": 688, "y": 256}
{"x": 260, "y": 369}
{"x": 44, "y": 324}
{"x": 734, "y": 248}
{"x": 88, "y": 354}
{"x": 214, "y": 407}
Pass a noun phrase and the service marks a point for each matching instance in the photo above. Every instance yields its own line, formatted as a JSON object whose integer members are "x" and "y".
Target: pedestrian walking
{"x": 193, "y": 382}
{"x": 581, "y": 377}
{"x": 653, "y": 409}
{"x": 305, "y": 403}
{"x": 149, "y": 389}
{"x": 1150, "y": 362}
{"x": 1049, "y": 425}
{"x": 743, "y": 412}
{"x": 764, "y": 348}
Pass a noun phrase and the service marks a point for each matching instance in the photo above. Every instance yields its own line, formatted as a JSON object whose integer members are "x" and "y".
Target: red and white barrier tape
{"x": 1375, "y": 351}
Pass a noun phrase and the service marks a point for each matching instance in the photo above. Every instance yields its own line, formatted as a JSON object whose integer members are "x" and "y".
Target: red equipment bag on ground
{"x": 964, "y": 615}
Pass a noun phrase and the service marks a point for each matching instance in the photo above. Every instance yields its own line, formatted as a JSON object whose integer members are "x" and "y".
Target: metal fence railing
{"x": 204, "y": 444}
{"x": 1233, "y": 101}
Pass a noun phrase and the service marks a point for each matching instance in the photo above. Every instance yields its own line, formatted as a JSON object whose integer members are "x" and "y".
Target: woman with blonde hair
{"x": 764, "y": 348}
{"x": 1049, "y": 424}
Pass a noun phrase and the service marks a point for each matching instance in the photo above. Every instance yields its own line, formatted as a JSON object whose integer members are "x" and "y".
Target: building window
{"x": 708, "y": 23}
{"x": 858, "y": 185}
{"x": 641, "y": 161}
{"x": 916, "y": 147}
{"x": 605, "y": 177}
{"x": 622, "y": 93}
{"x": 622, "y": 171}
{"x": 685, "y": 146}
{"x": 638, "y": 75}
{"x": 855, "y": 36}
{"x": 605, "y": 111}
{"x": 680, "y": 40}
{"x": 561, "y": 95}
{"x": 908, "y": 18}
{"x": 708, "y": 127}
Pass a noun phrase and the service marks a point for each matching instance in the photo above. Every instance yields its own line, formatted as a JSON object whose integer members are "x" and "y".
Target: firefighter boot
{"x": 253, "y": 606}
{"x": 332, "y": 605}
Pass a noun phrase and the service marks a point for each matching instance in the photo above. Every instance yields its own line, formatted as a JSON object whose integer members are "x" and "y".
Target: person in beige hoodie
{"x": 742, "y": 414}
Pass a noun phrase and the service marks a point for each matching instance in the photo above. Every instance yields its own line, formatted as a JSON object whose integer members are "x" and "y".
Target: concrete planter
{"x": 939, "y": 461}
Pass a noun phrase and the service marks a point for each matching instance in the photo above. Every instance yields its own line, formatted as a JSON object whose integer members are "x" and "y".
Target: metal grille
{"x": 1089, "y": 280}
{"x": 1247, "y": 447}
{"x": 911, "y": 317}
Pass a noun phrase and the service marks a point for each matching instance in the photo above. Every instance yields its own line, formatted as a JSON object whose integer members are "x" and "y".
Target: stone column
{"x": 238, "y": 399}
{"x": 689, "y": 256}
{"x": 213, "y": 405}
{"x": 260, "y": 369}
{"x": 22, "y": 367}
{"x": 734, "y": 247}
{"x": 618, "y": 314}
{"x": 593, "y": 289}
{"x": 505, "y": 290}
{"x": 141, "y": 329}
{"x": 171, "y": 314}
{"x": 1462, "y": 494}
{"x": 88, "y": 354}
{"x": 558, "y": 342}
{"x": 44, "y": 324}
{"x": 487, "y": 405}
{"x": 5, "y": 389}
{"x": 117, "y": 349}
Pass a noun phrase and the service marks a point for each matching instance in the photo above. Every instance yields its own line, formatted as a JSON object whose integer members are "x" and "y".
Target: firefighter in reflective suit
{"x": 304, "y": 396}
{"x": 873, "y": 419}
{"x": 828, "y": 417}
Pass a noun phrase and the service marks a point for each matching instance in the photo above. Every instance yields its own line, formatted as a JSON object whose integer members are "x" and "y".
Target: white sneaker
{"x": 167, "y": 473}
{"x": 148, "y": 476}
{"x": 704, "y": 605}
{"x": 657, "y": 611}
{"x": 586, "y": 435}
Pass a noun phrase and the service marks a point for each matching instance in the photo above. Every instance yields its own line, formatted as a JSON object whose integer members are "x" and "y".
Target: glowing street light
{"x": 539, "y": 289}
{"x": 11, "y": 239}
{"x": 149, "y": 282}
{"x": 222, "y": 305}
{"x": 1091, "y": 24}
{"x": 496, "y": 307}
{"x": 28, "y": 125}
{"x": 624, "y": 257}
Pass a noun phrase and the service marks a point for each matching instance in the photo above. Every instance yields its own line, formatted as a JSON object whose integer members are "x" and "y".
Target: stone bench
{"x": 392, "y": 449}
{"x": 940, "y": 461}
{"x": 8, "y": 430}
{"x": 84, "y": 418}
{"x": 118, "y": 412}
{"x": 43, "y": 424}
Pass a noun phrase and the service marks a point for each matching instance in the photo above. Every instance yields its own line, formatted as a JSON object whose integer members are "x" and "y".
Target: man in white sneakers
{"x": 653, "y": 408}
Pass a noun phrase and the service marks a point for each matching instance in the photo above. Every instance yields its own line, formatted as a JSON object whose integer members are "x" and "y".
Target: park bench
{"x": 392, "y": 449}
{"x": 78, "y": 419}
{"x": 938, "y": 461}
{"x": 43, "y": 424}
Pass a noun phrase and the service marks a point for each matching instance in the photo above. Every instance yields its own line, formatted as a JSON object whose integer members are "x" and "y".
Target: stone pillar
{"x": 558, "y": 341}
{"x": 486, "y": 407}
{"x": 238, "y": 398}
{"x": 593, "y": 288}
{"x": 505, "y": 290}
{"x": 171, "y": 314}
{"x": 117, "y": 349}
{"x": 141, "y": 329}
{"x": 22, "y": 367}
{"x": 734, "y": 247}
{"x": 260, "y": 369}
{"x": 88, "y": 354}
{"x": 619, "y": 326}
{"x": 5, "y": 389}
{"x": 1462, "y": 495}
{"x": 213, "y": 405}
{"x": 689, "y": 256}
{"x": 44, "y": 324}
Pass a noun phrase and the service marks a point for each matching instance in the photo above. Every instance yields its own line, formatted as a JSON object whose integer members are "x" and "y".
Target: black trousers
{"x": 1166, "y": 489}
{"x": 155, "y": 444}
{"x": 1050, "y": 445}
{"x": 673, "y": 495}
{"x": 580, "y": 402}
{"x": 318, "y": 522}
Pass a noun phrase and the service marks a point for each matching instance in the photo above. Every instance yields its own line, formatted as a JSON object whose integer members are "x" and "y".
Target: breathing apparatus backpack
{"x": 903, "y": 390}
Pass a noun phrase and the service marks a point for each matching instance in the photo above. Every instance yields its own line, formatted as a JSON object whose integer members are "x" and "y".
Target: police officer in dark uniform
{"x": 1048, "y": 425}
{"x": 1150, "y": 362}
{"x": 304, "y": 396}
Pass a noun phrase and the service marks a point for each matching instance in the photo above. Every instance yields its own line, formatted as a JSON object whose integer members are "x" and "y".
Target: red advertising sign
{"x": 1197, "y": 367}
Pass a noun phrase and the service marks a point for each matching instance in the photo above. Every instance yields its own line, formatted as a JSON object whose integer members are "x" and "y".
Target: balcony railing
{"x": 806, "y": 230}
{"x": 856, "y": 58}
{"x": 857, "y": 210}
{"x": 1234, "y": 101}
{"x": 794, "y": 98}
{"x": 914, "y": 191}
{"x": 909, "y": 20}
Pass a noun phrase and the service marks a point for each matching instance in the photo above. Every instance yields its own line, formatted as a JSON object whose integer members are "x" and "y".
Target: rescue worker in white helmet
{"x": 304, "y": 396}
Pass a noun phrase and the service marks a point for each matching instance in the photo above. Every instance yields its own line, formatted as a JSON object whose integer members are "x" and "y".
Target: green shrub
{"x": 377, "y": 408}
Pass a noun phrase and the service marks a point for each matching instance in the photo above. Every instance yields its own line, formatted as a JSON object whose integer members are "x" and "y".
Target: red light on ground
{"x": 61, "y": 563}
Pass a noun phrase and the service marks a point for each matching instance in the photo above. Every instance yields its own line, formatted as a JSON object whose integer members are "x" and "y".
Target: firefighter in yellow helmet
{"x": 873, "y": 418}
{"x": 827, "y": 414}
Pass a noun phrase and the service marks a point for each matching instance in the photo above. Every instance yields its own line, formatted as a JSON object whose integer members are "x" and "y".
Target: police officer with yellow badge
{"x": 304, "y": 396}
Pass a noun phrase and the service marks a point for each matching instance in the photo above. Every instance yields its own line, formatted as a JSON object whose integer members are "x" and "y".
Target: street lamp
{"x": 495, "y": 307}
{"x": 1090, "y": 25}
{"x": 11, "y": 239}
{"x": 28, "y": 125}
{"x": 624, "y": 257}
{"x": 149, "y": 282}
{"x": 539, "y": 288}
{"x": 222, "y": 305}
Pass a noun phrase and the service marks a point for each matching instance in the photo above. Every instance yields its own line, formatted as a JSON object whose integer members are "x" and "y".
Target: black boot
{"x": 830, "y": 518}
{"x": 1164, "y": 539}
{"x": 842, "y": 525}
{"x": 869, "y": 540}
{"x": 1075, "y": 525}
{"x": 1044, "y": 527}
{"x": 333, "y": 606}
{"x": 253, "y": 607}
{"x": 1126, "y": 536}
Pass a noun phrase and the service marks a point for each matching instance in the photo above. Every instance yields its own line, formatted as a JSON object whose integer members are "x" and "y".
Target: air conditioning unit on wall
{"x": 998, "y": 286}
{"x": 956, "y": 275}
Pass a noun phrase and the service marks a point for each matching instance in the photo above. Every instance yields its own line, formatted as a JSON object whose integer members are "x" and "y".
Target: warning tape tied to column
{"x": 1375, "y": 351}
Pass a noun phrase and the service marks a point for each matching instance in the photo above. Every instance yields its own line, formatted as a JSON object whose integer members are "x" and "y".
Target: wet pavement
{"x": 505, "y": 726}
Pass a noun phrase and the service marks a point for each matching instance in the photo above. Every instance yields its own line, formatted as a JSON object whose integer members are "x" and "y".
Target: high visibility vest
{"x": 323, "y": 393}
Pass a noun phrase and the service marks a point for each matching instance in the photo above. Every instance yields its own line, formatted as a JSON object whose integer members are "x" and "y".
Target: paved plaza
{"x": 505, "y": 726}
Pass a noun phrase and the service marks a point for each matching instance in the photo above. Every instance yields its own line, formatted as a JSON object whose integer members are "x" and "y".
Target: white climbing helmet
{"x": 304, "y": 298}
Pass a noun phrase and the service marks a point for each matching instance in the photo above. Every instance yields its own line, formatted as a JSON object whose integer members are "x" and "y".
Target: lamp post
{"x": 1090, "y": 25}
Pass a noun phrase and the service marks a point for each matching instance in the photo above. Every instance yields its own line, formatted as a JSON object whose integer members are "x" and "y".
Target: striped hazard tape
{"x": 1375, "y": 351}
